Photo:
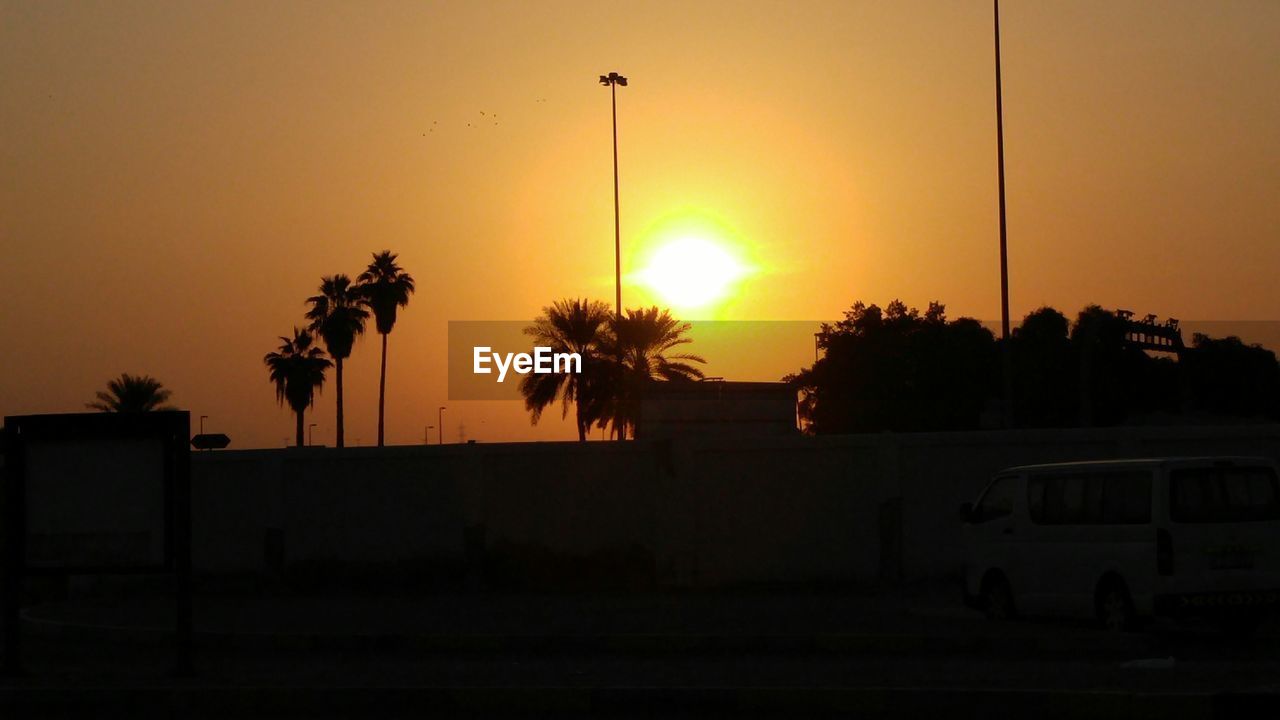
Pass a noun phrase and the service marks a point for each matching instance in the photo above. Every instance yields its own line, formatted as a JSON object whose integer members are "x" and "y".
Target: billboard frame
{"x": 172, "y": 428}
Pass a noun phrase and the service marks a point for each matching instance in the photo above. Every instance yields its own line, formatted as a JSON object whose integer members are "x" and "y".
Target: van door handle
{"x": 1007, "y": 531}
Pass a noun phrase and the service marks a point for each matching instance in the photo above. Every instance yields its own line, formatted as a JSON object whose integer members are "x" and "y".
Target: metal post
{"x": 617, "y": 227}
{"x": 1006, "y": 350}
{"x": 14, "y": 536}
{"x": 181, "y": 528}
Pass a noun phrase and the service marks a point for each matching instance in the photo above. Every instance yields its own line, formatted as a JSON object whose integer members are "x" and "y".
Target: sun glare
{"x": 690, "y": 272}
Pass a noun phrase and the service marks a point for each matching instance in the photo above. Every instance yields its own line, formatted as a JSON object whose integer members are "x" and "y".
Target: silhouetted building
{"x": 714, "y": 407}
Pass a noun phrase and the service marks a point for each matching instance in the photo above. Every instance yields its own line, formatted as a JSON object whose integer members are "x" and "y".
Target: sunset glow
{"x": 691, "y": 272}
{"x": 180, "y": 176}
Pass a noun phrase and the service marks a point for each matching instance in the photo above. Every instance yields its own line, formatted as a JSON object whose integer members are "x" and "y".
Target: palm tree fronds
{"x": 132, "y": 393}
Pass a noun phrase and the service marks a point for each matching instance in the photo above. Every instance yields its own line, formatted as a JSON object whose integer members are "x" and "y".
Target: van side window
{"x": 1082, "y": 499}
{"x": 1127, "y": 498}
{"x": 997, "y": 501}
{"x": 1103, "y": 497}
{"x": 1064, "y": 499}
{"x": 1224, "y": 494}
{"x": 1035, "y": 499}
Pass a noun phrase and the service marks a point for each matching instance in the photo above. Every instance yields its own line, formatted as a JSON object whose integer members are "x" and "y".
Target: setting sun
{"x": 690, "y": 272}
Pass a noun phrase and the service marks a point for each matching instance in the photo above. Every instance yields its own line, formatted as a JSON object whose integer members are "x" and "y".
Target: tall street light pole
{"x": 440, "y": 422}
{"x": 1006, "y": 350}
{"x": 613, "y": 80}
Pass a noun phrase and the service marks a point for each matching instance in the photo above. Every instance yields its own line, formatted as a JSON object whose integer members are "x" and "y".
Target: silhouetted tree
{"x": 338, "y": 315}
{"x": 131, "y": 393}
{"x": 1114, "y": 375}
{"x": 895, "y": 369}
{"x": 1045, "y": 376}
{"x": 385, "y": 288}
{"x": 1226, "y": 377}
{"x": 297, "y": 370}
{"x": 643, "y": 341}
{"x": 573, "y": 326}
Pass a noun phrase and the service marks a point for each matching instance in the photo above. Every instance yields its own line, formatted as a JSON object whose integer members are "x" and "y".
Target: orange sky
{"x": 178, "y": 176}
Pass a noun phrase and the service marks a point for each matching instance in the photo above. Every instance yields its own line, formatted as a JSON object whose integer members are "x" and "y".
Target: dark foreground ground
{"x": 906, "y": 653}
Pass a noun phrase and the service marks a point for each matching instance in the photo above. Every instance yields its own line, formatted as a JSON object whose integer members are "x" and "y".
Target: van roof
{"x": 1147, "y": 462}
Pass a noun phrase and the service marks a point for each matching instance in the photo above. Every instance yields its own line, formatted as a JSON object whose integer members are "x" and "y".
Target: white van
{"x": 1123, "y": 540}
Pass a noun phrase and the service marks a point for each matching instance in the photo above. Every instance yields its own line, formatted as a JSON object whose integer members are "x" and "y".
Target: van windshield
{"x": 1223, "y": 494}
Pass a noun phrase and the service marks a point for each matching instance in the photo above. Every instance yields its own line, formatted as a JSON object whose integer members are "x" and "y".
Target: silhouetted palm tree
{"x": 573, "y": 326}
{"x": 297, "y": 369}
{"x": 132, "y": 393}
{"x": 643, "y": 341}
{"x": 385, "y": 288}
{"x": 337, "y": 315}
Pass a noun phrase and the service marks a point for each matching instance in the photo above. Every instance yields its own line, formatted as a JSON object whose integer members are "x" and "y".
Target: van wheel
{"x": 1115, "y": 608}
{"x": 997, "y": 600}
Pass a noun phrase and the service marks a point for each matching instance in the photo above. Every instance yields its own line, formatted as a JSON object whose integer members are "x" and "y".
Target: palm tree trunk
{"x": 298, "y": 439}
{"x": 382, "y": 387}
{"x": 338, "y": 364}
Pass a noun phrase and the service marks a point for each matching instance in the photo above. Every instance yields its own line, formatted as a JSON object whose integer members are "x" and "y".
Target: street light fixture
{"x": 440, "y": 422}
{"x": 613, "y": 80}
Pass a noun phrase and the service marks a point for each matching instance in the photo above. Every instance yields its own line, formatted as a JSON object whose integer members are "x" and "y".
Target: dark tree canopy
{"x": 338, "y": 316}
{"x": 297, "y": 371}
{"x": 900, "y": 370}
{"x": 384, "y": 287}
{"x": 620, "y": 357}
{"x": 131, "y": 393}
{"x": 1045, "y": 382}
{"x": 649, "y": 342}
{"x": 569, "y": 326}
{"x": 1226, "y": 377}
{"x": 897, "y": 369}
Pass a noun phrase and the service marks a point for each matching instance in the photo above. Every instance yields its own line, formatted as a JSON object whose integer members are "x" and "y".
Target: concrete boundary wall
{"x": 674, "y": 513}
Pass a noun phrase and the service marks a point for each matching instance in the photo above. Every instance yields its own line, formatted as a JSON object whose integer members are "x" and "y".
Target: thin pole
{"x": 440, "y": 425}
{"x": 617, "y": 227}
{"x": 182, "y": 555}
{"x": 1006, "y": 350}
